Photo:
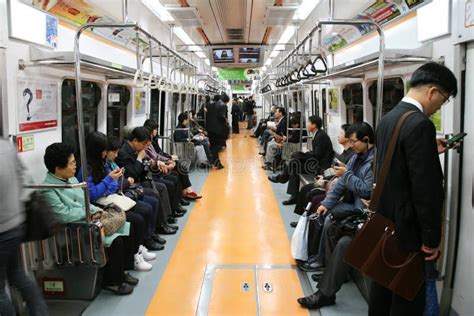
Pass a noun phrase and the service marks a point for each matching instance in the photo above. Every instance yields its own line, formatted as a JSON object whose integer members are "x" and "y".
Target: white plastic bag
{"x": 200, "y": 154}
{"x": 299, "y": 240}
{"x": 123, "y": 202}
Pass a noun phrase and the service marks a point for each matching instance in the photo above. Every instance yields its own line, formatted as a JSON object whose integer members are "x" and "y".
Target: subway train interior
{"x": 188, "y": 115}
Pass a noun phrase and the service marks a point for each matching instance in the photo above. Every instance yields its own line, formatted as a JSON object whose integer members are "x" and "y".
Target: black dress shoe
{"x": 165, "y": 230}
{"x": 177, "y": 214}
{"x": 317, "y": 300}
{"x": 218, "y": 165}
{"x": 316, "y": 277}
{"x": 184, "y": 202}
{"x": 173, "y": 227}
{"x": 294, "y": 224}
{"x": 291, "y": 201}
{"x": 152, "y": 245}
{"x": 158, "y": 239}
{"x": 127, "y": 278}
{"x": 311, "y": 266}
{"x": 182, "y": 209}
{"x": 172, "y": 220}
{"x": 275, "y": 179}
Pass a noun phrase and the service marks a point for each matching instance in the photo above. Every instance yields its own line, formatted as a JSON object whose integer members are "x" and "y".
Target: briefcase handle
{"x": 389, "y": 233}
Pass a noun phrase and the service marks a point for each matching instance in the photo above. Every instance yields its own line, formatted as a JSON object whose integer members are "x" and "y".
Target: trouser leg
{"x": 322, "y": 242}
{"x": 303, "y": 200}
{"x": 144, "y": 210}
{"x": 154, "y": 204}
{"x": 183, "y": 173}
{"x": 11, "y": 268}
{"x": 164, "y": 209}
{"x": 337, "y": 269}
{"x": 114, "y": 269}
{"x": 139, "y": 227}
{"x": 272, "y": 151}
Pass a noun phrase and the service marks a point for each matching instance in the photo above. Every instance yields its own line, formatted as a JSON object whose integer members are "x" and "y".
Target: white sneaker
{"x": 148, "y": 256}
{"x": 140, "y": 264}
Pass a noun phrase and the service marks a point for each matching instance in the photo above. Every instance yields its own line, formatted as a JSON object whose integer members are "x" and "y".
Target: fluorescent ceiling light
{"x": 183, "y": 36}
{"x": 287, "y": 34}
{"x": 274, "y": 53}
{"x": 207, "y": 61}
{"x": 279, "y": 47}
{"x": 305, "y": 9}
{"x": 158, "y": 9}
{"x": 201, "y": 54}
{"x": 264, "y": 68}
{"x": 268, "y": 62}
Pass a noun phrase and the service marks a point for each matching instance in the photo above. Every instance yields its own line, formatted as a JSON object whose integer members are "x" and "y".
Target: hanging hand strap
{"x": 387, "y": 161}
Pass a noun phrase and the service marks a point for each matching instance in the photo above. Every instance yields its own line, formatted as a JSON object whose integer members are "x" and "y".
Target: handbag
{"x": 134, "y": 191}
{"x": 40, "y": 220}
{"x": 299, "y": 240}
{"x": 112, "y": 219}
{"x": 120, "y": 200}
{"x": 375, "y": 252}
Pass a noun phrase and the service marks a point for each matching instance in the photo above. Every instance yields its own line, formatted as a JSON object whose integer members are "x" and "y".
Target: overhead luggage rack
{"x": 65, "y": 60}
{"x": 359, "y": 67}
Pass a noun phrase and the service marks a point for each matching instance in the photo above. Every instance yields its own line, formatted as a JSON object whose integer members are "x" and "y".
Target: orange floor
{"x": 236, "y": 223}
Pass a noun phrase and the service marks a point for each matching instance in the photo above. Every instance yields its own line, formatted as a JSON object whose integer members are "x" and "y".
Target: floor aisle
{"x": 236, "y": 223}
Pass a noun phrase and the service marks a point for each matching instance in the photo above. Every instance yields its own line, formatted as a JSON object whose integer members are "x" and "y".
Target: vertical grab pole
{"x": 80, "y": 122}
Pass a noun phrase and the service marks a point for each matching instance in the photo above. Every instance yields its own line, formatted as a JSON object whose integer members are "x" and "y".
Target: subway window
{"x": 393, "y": 92}
{"x": 353, "y": 98}
{"x": 91, "y": 96}
{"x": 118, "y": 98}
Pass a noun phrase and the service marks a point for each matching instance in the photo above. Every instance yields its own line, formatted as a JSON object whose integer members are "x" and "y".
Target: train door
{"x": 315, "y": 109}
{"x": 91, "y": 96}
{"x": 352, "y": 95}
{"x": 393, "y": 92}
{"x": 118, "y": 98}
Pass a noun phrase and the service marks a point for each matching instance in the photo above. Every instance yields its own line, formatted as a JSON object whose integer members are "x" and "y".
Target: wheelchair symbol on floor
{"x": 245, "y": 287}
{"x": 267, "y": 287}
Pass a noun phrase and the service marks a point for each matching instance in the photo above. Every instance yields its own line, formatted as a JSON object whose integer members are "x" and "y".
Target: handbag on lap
{"x": 375, "y": 252}
{"x": 112, "y": 219}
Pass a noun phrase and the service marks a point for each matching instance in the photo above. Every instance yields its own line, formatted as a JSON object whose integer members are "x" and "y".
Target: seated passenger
{"x": 69, "y": 206}
{"x": 273, "y": 156}
{"x": 274, "y": 129}
{"x": 333, "y": 277}
{"x": 185, "y": 135}
{"x": 354, "y": 184}
{"x": 103, "y": 180}
{"x": 313, "y": 162}
{"x": 132, "y": 157}
{"x": 155, "y": 152}
{"x": 308, "y": 191}
{"x": 277, "y": 135}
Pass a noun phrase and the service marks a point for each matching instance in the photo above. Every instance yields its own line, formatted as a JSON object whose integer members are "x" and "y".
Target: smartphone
{"x": 456, "y": 138}
{"x": 336, "y": 162}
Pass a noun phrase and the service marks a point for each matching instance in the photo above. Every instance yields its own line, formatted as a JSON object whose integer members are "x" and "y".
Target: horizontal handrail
{"x": 56, "y": 186}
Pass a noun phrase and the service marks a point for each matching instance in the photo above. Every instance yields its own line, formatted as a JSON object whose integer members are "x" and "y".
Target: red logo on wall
{"x": 39, "y": 94}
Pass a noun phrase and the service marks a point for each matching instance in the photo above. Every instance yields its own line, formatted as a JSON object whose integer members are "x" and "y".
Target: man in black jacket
{"x": 313, "y": 162}
{"x": 413, "y": 194}
{"x": 217, "y": 128}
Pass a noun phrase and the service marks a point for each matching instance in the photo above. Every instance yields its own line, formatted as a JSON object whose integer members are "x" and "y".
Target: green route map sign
{"x": 237, "y": 73}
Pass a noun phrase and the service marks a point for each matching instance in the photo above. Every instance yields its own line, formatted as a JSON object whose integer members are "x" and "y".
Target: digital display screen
{"x": 223, "y": 55}
{"x": 249, "y": 55}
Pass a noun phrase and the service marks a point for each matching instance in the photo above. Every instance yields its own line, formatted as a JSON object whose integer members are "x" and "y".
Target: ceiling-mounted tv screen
{"x": 223, "y": 55}
{"x": 249, "y": 55}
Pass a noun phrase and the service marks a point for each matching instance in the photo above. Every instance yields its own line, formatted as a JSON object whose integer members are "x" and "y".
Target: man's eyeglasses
{"x": 446, "y": 98}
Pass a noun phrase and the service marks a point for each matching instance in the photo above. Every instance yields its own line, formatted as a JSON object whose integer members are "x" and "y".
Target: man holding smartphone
{"x": 413, "y": 193}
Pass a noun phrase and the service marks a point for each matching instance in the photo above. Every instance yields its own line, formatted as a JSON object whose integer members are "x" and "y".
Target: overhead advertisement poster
{"x": 140, "y": 102}
{"x": 382, "y": 12}
{"x": 237, "y": 73}
{"x": 37, "y": 105}
{"x": 80, "y": 12}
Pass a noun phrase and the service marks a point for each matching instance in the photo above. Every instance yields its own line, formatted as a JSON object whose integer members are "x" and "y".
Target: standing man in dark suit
{"x": 313, "y": 162}
{"x": 216, "y": 126}
{"x": 413, "y": 194}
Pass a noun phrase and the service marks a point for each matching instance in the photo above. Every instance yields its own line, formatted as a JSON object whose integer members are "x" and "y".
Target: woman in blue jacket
{"x": 103, "y": 181}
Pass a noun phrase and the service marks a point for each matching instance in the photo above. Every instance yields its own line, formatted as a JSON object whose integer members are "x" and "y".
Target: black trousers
{"x": 216, "y": 143}
{"x": 306, "y": 193}
{"x": 182, "y": 172}
{"x": 337, "y": 270}
{"x": 138, "y": 223}
{"x": 119, "y": 259}
{"x": 235, "y": 124}
{"x": 173, "y": 187}
{"x": 382, "y": 302}
{"x": 296, "y": 166}
{"x": 161, "y": 193}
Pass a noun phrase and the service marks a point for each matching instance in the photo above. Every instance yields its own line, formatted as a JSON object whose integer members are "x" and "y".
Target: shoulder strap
{"x": 380, "y": 182}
